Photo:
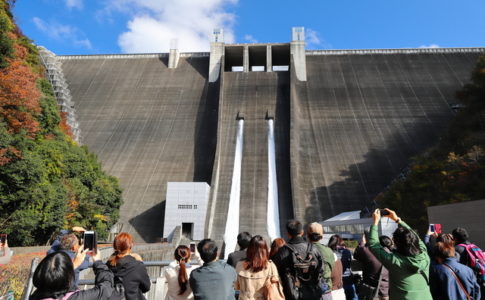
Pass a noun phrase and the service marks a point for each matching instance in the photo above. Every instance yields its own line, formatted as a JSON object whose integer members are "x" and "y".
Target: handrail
{"x": 30, "y": 285}
{"x": 154, "y": 263}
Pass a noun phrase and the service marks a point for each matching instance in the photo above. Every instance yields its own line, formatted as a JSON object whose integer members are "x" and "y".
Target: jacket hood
{"x": 124, "y": 266}
{"x": 417, "y": 262}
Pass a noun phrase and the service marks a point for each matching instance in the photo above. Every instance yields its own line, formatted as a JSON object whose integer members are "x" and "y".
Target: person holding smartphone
{"x": 408, "y": 264}
{"x": 69, "y": 244}
{"x": 128, "y": 268}
{"x": 54, "y": 277}
{"x": 7, "y": 254}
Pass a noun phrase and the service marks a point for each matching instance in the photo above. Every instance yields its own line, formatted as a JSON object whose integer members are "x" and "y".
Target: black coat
{"x": 235, "y": 257}
{"x": 134, "y": 276}
{"x": 102, "y": 289}
{"x": 283, "y": 259}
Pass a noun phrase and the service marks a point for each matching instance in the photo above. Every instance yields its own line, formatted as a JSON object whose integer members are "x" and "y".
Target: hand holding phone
{"x": 192, "y": 247}
{"x": 90, "y": 241}
{"x": 431, "y": 228}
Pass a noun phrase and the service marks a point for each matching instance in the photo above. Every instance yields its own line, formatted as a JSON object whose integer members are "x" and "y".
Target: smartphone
{"x": 90, "y": 241}
{"x": 437, "y": 228}
{"x": 192, "y": 247}
{"x": 3, "y": 238}
{"x": 384, "y": 212}
{"x": 431, "y": 228}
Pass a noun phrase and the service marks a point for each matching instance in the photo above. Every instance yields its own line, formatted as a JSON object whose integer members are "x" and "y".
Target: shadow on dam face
{"x": 144, "y": 225}
{"x": 363, "y": 181}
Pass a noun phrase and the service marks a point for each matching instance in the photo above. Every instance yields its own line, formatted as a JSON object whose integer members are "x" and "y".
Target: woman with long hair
{"x": 54, "y": 278}
{"x": 408, "y": 264}
{"x": 128, "y": 268}
{"x": 275, "y": 246}
{"x": 177, "y": 275}
{"x": 253, "y": 272}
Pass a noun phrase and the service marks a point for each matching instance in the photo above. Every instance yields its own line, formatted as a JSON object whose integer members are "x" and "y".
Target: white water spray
{"x": 232, "y": 223}
{"x": 273, "y": 217}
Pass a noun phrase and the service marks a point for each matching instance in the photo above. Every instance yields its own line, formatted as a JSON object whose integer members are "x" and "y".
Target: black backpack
{"x": 304, "y": 275}
{"x": 118, "y": 289}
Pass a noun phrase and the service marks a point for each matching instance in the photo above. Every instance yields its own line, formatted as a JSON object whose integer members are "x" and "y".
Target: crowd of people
{"x": 441, "y": 266}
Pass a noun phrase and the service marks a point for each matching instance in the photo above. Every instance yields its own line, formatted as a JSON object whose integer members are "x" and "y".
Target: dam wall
{"x": 341, "y": 136}
{"x": 361, "y": 116}
{"x": 148, "y": 124}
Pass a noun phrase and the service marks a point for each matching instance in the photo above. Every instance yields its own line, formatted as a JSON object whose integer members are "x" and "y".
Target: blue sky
{"x": 134, "y": 26}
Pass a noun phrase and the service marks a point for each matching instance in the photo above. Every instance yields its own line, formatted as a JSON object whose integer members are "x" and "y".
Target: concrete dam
{"x": 346, "y": 123}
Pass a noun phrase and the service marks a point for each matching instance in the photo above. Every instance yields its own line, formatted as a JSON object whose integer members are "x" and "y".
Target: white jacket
{"x": 170, "y": 273}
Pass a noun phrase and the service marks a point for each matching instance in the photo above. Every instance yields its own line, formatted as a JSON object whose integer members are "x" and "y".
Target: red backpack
{"x": 476, "y": 261}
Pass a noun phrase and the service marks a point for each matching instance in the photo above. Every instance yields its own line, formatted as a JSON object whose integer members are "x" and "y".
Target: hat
{"x": 315, "y": 228}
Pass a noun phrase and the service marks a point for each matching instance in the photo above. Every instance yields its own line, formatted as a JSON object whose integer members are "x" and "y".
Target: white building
{"x": 186, "y": 206}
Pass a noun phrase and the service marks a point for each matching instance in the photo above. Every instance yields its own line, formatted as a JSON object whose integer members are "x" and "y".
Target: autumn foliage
{"x": 47, "y": 181}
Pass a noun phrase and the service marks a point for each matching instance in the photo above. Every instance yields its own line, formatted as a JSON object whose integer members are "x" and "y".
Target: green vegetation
{"x": 454, "y": 170}
{"x": 47, "y": 181}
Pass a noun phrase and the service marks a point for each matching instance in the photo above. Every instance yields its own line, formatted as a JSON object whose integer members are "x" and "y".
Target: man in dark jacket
{"x": 461, "y": 237}
{"x": 68, "y": 243}
{"x": 215, "y": 279}
{"x": 314, "y": 235}
{"x": 284, "y": 259}
{"x": 243, "y": 241}
{"x": 373, "y": 273}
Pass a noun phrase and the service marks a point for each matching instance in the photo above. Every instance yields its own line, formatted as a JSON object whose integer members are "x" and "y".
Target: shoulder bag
{"x": 459, "y": 282}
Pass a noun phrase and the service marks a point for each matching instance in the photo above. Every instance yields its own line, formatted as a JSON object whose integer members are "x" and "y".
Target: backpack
{"x": 118, "y": 289}
{"x": 304, "y": 277}
{"x": 476, "y": 261}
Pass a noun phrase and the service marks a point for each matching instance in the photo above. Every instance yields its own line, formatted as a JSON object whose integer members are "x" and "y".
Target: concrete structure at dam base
{"x": 345, "y": 124}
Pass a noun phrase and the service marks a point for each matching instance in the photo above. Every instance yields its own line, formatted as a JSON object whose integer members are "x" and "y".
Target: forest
{"x": 47, "y": 180}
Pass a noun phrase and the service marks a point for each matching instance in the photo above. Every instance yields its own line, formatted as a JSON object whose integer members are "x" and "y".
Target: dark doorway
{"x": 187, "y": 230}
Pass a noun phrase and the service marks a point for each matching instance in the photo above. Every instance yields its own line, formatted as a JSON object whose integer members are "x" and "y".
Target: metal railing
{"x": 157, "y": 290}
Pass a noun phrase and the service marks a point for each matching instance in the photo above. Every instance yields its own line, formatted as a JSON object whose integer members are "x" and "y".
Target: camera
{"x": 384, "y": 212}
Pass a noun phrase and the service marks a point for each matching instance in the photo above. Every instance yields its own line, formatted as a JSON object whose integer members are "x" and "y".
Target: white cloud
{"x": 313, "y": 40}
{"x": 154, "y": 23}
{"x": 430, "y": 46}
{"x": 61, "y": 32}
{"x": 250, "y": 39}
{"x": 312, "y": 37}
{"x": 79, "y": 4}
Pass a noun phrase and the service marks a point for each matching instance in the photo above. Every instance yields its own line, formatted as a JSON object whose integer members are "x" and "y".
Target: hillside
{"x": 47, "y": 180}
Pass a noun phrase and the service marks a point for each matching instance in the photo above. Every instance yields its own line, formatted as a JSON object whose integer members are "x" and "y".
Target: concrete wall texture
{"x": 341, "y": 136}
